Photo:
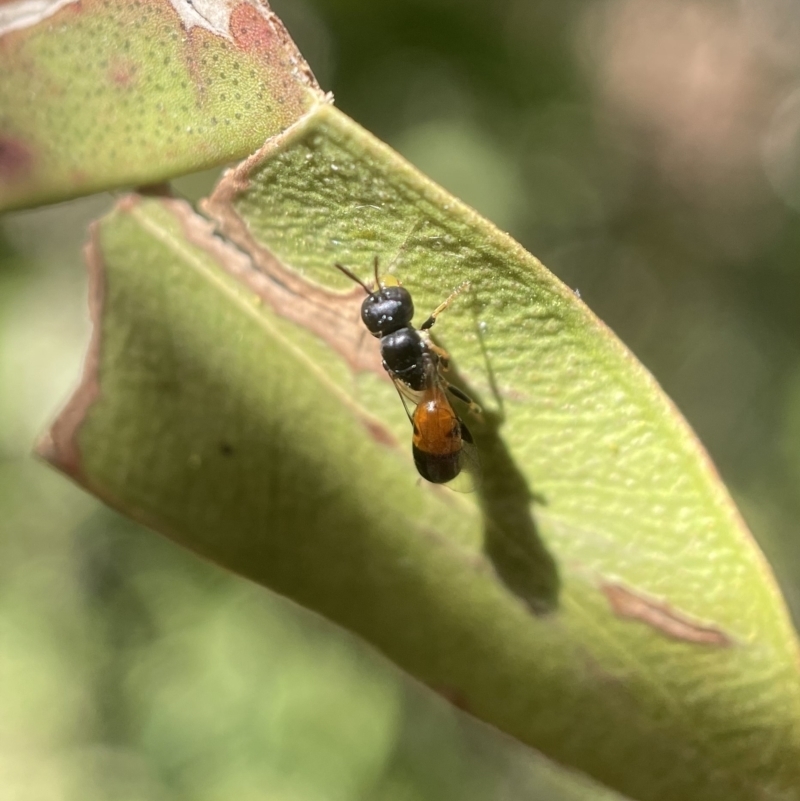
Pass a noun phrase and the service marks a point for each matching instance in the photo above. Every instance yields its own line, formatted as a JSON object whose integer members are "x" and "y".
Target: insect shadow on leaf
{"x": 511, "y": 539}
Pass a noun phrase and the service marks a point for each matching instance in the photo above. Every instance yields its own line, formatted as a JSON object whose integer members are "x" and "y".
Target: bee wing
{"x": 469, "y": 477}
{"x": 408, "y": 396}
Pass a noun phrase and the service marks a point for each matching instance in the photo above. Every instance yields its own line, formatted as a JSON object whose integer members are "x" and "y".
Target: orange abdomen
{"x": 437, "y": 439}
{"x": 437, "y": 429}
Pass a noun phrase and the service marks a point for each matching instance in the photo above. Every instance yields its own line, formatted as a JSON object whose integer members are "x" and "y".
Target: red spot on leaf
{"x": 16, "y": 159}
{"x": 250, "y": 30}
{"x": 122, "y": 73}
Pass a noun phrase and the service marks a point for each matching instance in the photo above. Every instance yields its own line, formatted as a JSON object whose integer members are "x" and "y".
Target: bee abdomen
{"x": 436, "y": 468}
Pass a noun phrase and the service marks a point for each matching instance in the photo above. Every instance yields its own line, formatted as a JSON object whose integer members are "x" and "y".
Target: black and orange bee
{"x": 442, "y": 445}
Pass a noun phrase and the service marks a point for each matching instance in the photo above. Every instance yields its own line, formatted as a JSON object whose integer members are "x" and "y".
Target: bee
{"x": 442, "y": 445}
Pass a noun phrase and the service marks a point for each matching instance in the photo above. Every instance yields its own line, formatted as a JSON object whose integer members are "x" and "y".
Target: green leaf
{"x": 599, "y": 598}
{"x": 96, "y": 94}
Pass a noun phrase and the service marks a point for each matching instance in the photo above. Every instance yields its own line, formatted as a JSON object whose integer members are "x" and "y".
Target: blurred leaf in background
{"x": 647, "y": 152}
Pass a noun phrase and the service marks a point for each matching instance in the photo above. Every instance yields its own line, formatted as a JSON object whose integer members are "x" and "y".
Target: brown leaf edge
{"x": 293, "y": 299}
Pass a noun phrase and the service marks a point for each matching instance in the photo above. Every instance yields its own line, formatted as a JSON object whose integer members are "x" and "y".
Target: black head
{"x": 385, "y": 309}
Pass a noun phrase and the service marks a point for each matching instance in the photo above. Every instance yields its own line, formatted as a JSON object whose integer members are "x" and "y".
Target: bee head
{"x": 387, "y": 309}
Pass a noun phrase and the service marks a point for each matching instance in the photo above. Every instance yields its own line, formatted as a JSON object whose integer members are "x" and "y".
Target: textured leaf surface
{"x": 97, "y": 94}
{"x": 599, "y": 598}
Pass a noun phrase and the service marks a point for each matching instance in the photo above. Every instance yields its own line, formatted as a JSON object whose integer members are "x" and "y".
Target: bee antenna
{"x": 377, "y": 279}
{"x": 353, "y": 277}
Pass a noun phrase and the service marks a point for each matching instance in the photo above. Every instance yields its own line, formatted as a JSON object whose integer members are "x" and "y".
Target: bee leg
{"x": 442, "y": 356}
{"x": 462, "y": 396}
{"x": 428, "y": 324}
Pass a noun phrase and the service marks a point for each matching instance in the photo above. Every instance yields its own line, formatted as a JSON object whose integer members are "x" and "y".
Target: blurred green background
{"x": 648, "y": 151}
